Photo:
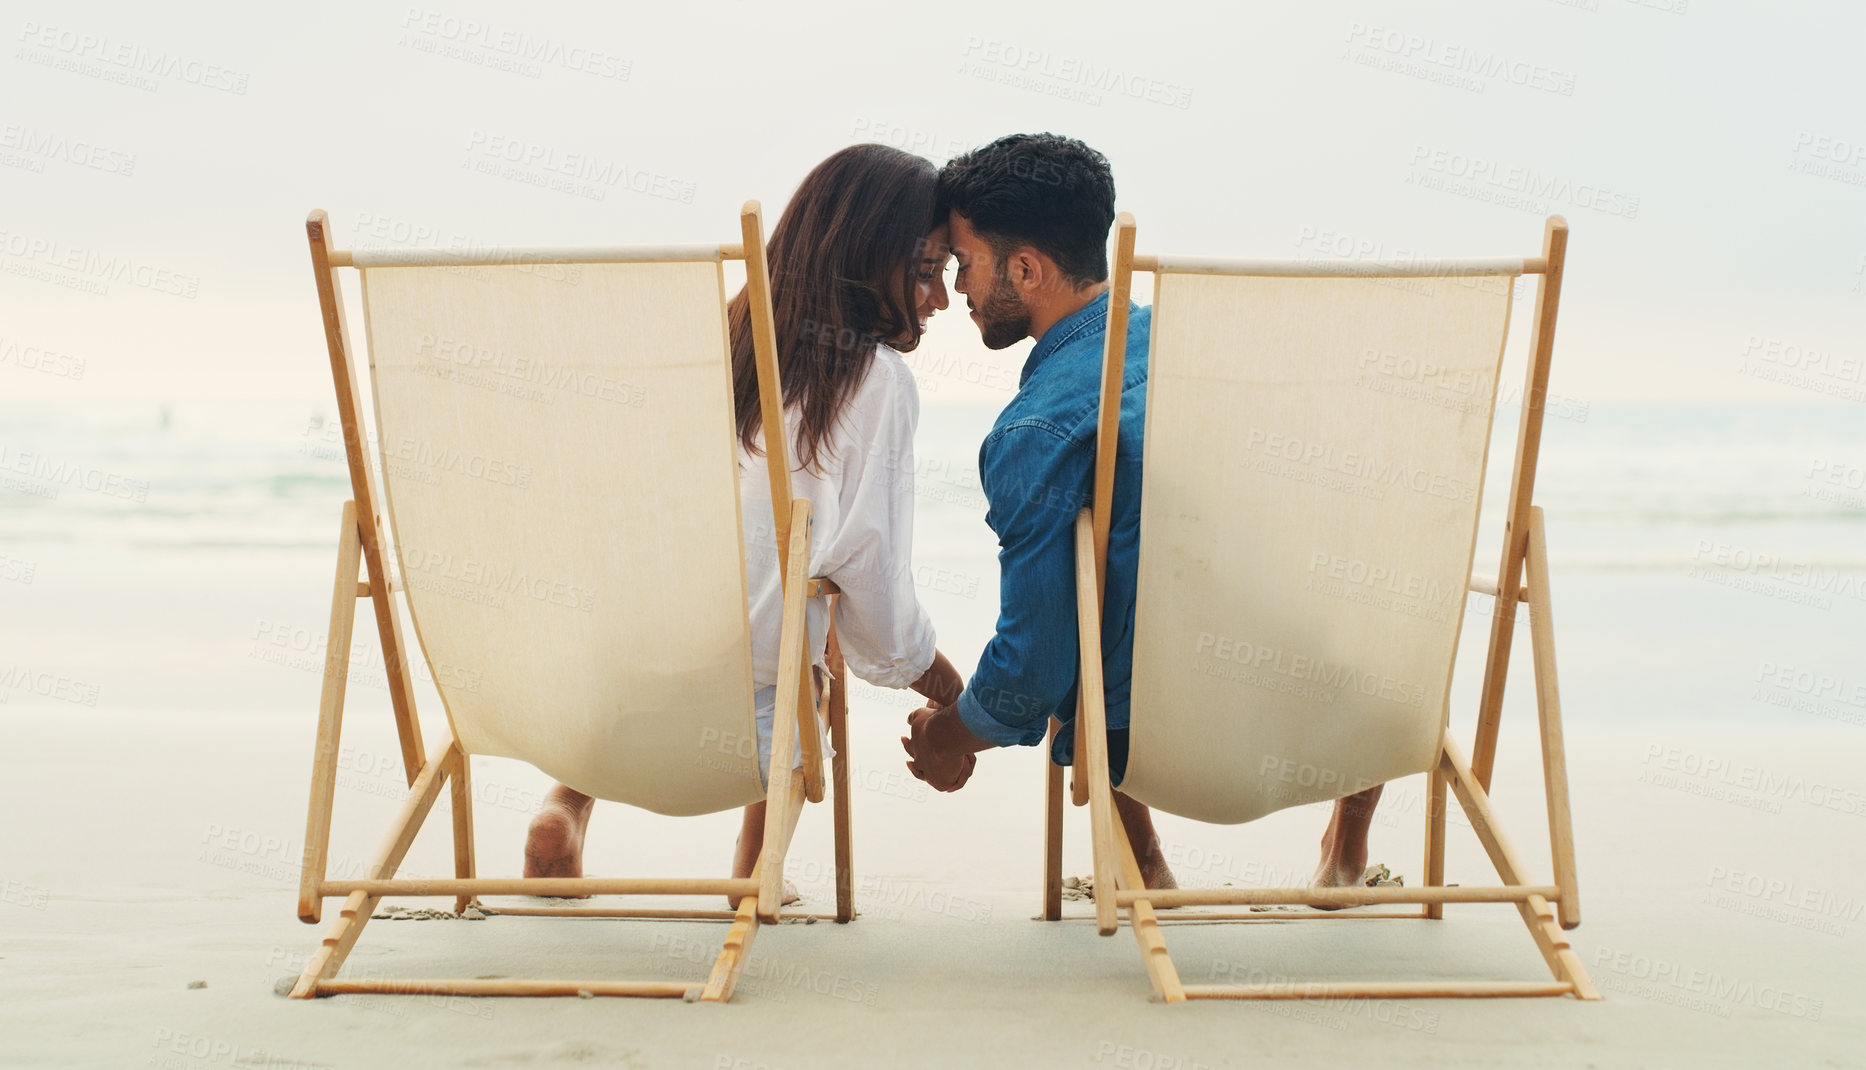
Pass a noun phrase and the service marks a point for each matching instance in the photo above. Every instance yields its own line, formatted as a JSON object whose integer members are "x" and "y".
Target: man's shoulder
{"x": 1027, "y": 422}
{"x": 1139, "y": 339}
{"x": 1033, "y": 433}
{"x": 1062, "y": 398}
{"x": 1083, "y": 351}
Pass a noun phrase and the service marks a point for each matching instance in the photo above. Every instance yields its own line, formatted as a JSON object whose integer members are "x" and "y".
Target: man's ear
{"x": 1030, "y": 271}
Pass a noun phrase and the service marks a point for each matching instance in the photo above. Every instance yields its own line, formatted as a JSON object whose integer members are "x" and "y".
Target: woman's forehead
{"x": 938, "y": 243}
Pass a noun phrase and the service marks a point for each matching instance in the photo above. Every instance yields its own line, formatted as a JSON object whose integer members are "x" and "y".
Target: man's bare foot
{"x": 1344, "y": 842}
{"x": 1138, "y": 821}
{"x": 554, "y": 843}
{"x": 745, "y": 853}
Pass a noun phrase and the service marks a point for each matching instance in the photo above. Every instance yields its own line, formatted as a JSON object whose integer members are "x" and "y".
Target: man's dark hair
{"x": 1047, "y": 191}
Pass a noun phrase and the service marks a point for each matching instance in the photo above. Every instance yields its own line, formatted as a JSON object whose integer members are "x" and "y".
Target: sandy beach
{"x": 133, "y": 880}
{"x": 154, "y": 850}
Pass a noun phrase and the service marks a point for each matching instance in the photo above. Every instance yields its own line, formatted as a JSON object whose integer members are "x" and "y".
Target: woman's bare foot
{"x": 745, "y": 853}
{"x": 554, "y": 843}
{"x": 1344, "y": 842}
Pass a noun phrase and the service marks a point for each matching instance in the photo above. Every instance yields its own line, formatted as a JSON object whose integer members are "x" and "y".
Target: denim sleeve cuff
{"x": 990, "y": 729}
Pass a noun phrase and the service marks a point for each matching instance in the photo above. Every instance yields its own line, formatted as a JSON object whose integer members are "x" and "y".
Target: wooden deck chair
{"x": 1315, "y": 447}
{"x": 559, "y": 487}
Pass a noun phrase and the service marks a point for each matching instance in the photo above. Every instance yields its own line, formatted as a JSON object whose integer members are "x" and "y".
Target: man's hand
{"x": 940, "y": 749}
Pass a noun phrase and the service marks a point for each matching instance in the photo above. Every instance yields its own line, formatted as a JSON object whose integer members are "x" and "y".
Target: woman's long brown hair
{"x": 843, "y": 262}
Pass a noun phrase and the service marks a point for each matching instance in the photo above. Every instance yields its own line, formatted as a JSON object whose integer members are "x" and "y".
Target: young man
{"x": 1029, "y": 219}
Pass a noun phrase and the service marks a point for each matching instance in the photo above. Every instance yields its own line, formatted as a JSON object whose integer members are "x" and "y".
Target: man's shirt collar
{"x": 1086, "y": 318}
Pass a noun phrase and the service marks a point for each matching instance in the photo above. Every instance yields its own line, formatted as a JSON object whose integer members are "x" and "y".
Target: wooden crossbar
{"x": 1209, "y": 917}
{"x": 1488, "y": 585}
{"x": 514, "y": 987}
{"x": 544, "y": 254}
{"x": 1332, "y": 897}
{"x": 543, "y": 886}
{"x": 639, "y": 913}
{"x": 1346, "y": 269}
{"x": 1381, "y": 990}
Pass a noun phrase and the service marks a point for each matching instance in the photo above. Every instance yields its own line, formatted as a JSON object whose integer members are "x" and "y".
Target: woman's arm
{"x": 941, "y": 683}
{"x": 886, "y": 636}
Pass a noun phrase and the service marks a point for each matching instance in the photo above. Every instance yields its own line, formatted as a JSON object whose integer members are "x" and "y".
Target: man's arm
{"x": 1034, "y": 481}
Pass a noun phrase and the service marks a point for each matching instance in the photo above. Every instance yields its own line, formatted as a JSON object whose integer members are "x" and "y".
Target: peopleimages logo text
{"x": 1313, "y": 669}
{"x": 1324, "y": 457}
{"x": 1073, "y": 70}
{"x": 1481, "y": 173}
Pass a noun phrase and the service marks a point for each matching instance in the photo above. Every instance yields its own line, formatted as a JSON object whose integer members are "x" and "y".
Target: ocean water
{"x": 1624, "y": 482}
{"x": 178, "y": 557}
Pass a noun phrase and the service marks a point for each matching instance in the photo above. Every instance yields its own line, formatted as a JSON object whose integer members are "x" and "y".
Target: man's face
{"x": 999, "y": 310}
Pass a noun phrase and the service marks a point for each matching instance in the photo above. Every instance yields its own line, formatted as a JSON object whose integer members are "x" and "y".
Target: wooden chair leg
{"x": 770, "y": 864}
{"x": 794, "y": 715}
{"x": 1078, "y": 785}
{"x": 1104, "y": 826}
{"x": 810, "y": 732}
{"x": 843, "y": 807}
{"x": 1522, "y": 494}
{"x": 1536, "y": 912}
{"x": 781, "y": 814}
{"x": 734, "y": 953}
{"x": 329, "y": 957}
{"x": 1548, "y": 713}
{"x": 1435, "y": 838}
{"x": 1564, "y": 963}
{"x": 368, "y": 495}
{"x": 1052, "y": 830}
{"x": 330, "y": 717}
{"x": 461, "y": 802}
{"x": 745, "y": 922}
{"x": 1091, "y": 757}
{"x": 1146, "y": 926}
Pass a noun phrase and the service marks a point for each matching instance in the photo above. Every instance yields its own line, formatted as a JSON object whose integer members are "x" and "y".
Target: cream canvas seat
{"x": 1315, "y": 448}
{"x": 558, "y": 508}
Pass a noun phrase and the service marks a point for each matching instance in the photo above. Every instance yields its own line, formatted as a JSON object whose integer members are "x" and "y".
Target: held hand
{"x": 943, "y": 765}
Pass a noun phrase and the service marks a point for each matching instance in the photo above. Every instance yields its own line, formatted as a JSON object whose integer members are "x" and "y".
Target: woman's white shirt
{"x": 863, "y": 494}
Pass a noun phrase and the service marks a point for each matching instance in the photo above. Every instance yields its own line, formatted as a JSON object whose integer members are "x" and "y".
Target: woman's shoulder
{"x": 889, "y": 383}
{"x": 890, "y": 366}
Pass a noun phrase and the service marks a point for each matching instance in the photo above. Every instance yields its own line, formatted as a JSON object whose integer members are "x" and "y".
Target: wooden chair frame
{"x": 1546, "y": 909}
{"x": 362, "y": 544}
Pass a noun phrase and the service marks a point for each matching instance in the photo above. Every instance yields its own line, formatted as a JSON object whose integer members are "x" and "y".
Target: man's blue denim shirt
{"x": 1037, "y": 469}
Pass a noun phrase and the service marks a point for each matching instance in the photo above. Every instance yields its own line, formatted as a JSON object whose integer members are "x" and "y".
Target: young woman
{"x": 857, "y": 263}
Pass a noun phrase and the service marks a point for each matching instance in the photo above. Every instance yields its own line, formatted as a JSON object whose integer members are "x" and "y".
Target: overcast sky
{"x": 156, "y": 166}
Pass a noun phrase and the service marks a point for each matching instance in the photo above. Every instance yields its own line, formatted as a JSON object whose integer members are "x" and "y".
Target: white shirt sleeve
{"x": 886, "y": 637}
